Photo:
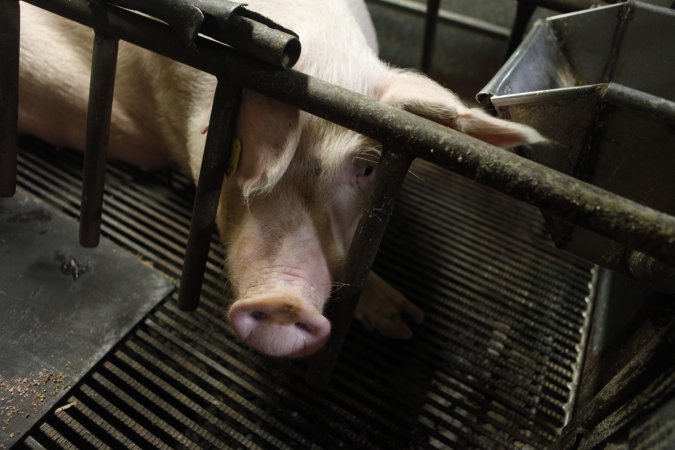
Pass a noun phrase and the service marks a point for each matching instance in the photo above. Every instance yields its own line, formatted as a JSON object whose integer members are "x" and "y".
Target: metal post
{"x": 524, "y": 13}
{"x": 430, "y": 22}
{"x": 9, "y": 94}
{"x": 214, "y": 163}
{"x": 391, "y": 173}
{"x": 102, "y": 84}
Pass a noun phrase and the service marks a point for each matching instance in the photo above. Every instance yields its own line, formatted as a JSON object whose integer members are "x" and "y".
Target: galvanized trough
{"x": 601, "y": 85}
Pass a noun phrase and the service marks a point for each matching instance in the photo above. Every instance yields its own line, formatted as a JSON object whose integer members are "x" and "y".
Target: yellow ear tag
{"x": 235, "y": 153}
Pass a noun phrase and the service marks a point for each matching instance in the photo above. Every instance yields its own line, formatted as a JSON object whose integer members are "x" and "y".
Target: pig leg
{"x": 383, "y": 308}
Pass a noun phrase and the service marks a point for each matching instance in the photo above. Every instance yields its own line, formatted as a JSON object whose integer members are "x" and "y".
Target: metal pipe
{"x": 257, "y": 40}
{"x": 430, "y": 21}
{"x": 101, "y": 89}
{"x": 9, "y": 94}
{"x": 632, "y": 224}
{"x": 214, "y": 164}
{"x": 567, "y": 5}
{"x": 455, "y": 19}
{"x": 222, "y": 21}
{"x": 524, "y": 12}
{"x": 391, "y": 172}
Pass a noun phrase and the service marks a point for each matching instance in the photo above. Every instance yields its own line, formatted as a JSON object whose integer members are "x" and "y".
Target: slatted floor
{"x": 492, "y": 366}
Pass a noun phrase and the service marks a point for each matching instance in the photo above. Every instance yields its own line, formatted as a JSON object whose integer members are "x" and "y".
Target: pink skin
{"x": 280, "y": 295}
{"x": 288, "y": 214}
{"x": 284, "y": 251}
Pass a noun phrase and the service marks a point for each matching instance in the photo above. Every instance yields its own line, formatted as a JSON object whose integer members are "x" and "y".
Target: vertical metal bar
{"x": 391, "y": 173}
{"x": 214, "y": 163}
{"x": 9, "y": 94}
{"x": 102, "y": 85}
{"x": 430, "y": 22}
{"x": 524, "y": 13}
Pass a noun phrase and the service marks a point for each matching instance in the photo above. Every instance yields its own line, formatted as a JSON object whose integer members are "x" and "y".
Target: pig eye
{"x": 365, "y": 165}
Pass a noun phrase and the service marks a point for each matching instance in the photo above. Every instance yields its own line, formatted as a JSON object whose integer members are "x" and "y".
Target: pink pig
{"x": 288, "y": 214}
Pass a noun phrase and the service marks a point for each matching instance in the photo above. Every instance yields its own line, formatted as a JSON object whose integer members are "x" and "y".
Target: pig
{"x": 288, "y": 213}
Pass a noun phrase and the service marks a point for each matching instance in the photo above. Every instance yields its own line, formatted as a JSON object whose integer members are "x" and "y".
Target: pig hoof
{"x": 280, "y": 327}
{"x": 383, "y": 309}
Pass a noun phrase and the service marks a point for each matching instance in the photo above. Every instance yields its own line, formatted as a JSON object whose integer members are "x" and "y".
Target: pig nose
{"x": 283, "y": 326}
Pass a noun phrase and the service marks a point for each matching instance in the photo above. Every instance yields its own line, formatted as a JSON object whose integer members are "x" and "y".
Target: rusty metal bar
{"x": 391, "y": 172}
{"x": 430, "y": 22}
{"x": 227, "y": 22}
{"x": 214, "y": 164}
{"x": 101, "y": 88}
{"x": 630, "y": 223}
{"x": 9, "y": 94}
{"x": 261, "y": 42}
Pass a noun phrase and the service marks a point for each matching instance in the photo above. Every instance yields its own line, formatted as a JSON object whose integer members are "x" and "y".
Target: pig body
{"x": 288, "y": 214}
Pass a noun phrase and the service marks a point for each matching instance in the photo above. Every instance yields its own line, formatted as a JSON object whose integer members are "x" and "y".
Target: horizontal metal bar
{"x": 567, "y": 5}
{"x": 651, "y": 105}
{"x": 459, "y": 20}
{"x": 630, "y": 223}
{"x": 256, "y": 39}
{"x": 9, "y": 94}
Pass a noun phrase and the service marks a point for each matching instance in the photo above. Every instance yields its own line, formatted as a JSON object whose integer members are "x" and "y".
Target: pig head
{"x": 288, "y": 213}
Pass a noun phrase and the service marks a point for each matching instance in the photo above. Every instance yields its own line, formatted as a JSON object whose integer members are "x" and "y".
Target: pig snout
{"x": 282, "y": 325}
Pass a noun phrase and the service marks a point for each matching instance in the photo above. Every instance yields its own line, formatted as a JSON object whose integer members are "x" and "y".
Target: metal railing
{"x": 403, "y": 135}
{"x": 524, "y": 12}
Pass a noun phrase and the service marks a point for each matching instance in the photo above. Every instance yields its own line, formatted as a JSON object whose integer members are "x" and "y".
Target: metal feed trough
{"x": 246, "y": 63}
{"x": 601, "y": 85}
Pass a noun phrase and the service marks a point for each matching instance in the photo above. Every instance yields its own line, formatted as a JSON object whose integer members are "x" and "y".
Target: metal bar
{"x": 430, "y": 21}
{"x": 101, "y": 88}
{"x": 567, "y": 5}
{"x": 455, "y": 19}
{"x": 524, "y": 12}
{"x": 214, "y": 164}
{"x": 228, "y": 24}
{"x": 391, "y": 172}
{"x": 9, "y": 94}
{"x": 632, "y": 224}
{"x": 257, "y": 40}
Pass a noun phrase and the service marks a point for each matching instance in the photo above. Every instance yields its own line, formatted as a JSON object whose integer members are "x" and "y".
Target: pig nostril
{"x": 305, "y": 327}
{"x": 258, "y": 315}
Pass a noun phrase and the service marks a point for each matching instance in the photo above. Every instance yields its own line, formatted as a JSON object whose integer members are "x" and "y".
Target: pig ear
{"x": 420, "y": 95}
{"x": 269, "y": 132}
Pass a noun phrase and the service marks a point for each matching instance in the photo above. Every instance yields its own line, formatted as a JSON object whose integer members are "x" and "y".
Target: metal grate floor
{"x": 494, "y": 364}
